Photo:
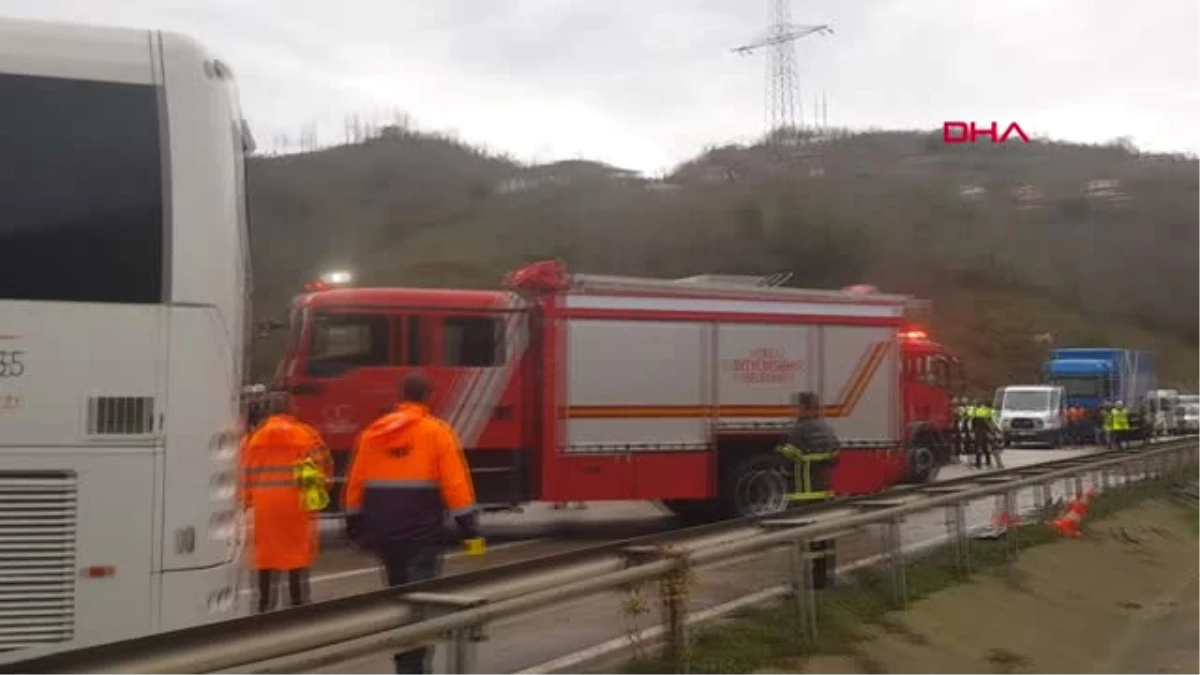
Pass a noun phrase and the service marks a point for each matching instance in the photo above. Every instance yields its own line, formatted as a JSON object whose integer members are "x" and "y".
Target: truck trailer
{"x": 1091, "y": 376}
{"x": 572, "y": 387}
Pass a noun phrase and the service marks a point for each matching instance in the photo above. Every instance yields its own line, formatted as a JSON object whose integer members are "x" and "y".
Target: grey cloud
{"x": 650, "y": 83}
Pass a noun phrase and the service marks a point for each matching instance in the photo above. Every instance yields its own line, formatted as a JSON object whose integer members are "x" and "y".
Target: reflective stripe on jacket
{"x": 285, "y": 533}
{"x": 407, "y": 472}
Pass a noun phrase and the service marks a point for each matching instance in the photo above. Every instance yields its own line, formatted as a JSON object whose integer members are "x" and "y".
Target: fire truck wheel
{"x": 758, "y": 485}
{"x": 922, "y": 464}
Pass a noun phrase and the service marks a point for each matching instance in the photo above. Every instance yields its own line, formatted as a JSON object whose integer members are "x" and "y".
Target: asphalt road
{"x": 522, "y": 642}
{"x": 539, "y": 530}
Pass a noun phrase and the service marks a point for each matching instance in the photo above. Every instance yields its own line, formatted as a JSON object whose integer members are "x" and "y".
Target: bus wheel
{"x": 758, "y": 486}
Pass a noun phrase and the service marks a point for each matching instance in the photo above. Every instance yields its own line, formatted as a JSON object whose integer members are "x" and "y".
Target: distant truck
{"x": 1091, "y": 376}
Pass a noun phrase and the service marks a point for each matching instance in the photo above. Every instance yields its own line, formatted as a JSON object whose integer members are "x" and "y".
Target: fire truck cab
{"x": 348, "y": 349}
{"x": 930, "y": 377}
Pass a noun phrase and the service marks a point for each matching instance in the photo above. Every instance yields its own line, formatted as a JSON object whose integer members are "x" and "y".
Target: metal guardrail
{"x": 305, "y": 638}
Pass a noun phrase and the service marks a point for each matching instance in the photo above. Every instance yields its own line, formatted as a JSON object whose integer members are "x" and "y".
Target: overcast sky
{"x": 648, "y": 83}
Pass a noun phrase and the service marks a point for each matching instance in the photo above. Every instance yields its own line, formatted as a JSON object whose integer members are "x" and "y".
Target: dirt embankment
{"x": 1121, "y": 600}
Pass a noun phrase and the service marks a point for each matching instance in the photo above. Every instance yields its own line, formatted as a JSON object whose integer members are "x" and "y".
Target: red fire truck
{"x": 583, "y": 387}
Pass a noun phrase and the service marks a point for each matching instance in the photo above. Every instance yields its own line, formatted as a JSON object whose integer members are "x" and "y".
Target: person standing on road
{"x": 1097, "y": 424}
{"x": 284, "y": 520}
{"x": 1107, "y": 415}
{"x": 958, "y": 429}
{"x": 1120, "y": 425}
{"x": 982, "y": 429}
{"x": 407, "y": 472}
{"x": 813, "y": 447}
{"x": 967, "y": 428}
{"x": 1075, "y": 426}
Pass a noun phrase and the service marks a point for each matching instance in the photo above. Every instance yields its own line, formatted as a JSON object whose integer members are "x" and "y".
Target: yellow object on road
{"x": 474, "y": 547}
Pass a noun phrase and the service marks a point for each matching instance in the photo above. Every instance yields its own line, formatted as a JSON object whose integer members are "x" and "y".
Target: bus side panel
{"x": 104, "y": 502}
{"x": 201, "y": 465}
{"x": 206, "y": 289}
{"x": 205, "y": 240}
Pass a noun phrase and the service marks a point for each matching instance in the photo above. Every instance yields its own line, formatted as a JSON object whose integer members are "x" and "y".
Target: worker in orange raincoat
{"x": 408, "y": 472}
{"x": 285, "y": 527}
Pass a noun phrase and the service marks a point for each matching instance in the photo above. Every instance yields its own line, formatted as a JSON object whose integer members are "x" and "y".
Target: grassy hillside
{"x": 1094, "y": 245}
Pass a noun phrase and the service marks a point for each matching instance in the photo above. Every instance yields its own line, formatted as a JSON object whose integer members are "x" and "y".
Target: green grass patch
{"x": 769, "y": 636}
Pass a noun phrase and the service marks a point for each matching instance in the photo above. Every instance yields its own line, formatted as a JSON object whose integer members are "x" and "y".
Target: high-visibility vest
{"x": 1120, "y": 420}
{"x": 1107, "y": 419}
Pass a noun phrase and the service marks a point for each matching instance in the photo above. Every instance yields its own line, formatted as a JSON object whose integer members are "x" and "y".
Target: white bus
{"x": 124, "y": 274}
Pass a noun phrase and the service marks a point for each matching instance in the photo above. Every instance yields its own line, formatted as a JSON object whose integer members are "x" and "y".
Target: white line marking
{"x": 374, "y": 569}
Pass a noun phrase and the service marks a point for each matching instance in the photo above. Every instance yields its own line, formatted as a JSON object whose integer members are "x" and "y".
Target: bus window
{"x": 473, "y": 342}
{"x": 83, "y": 193}
{"x": 343, "y": 342}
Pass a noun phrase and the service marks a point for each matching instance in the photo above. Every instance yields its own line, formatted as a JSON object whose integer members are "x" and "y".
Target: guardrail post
{"x": 1104, "y": 482}
{"x": 810, "y": 568}
{"x": 1078, "y": 486}
{"x": 1011, "y": 527}
{"x": 803, "y": 600}
{"x": 461, "y": 655}
{"x": 896, "y": 553}
{"x": 672, "y": 593}
{"x": 956, "y": 531}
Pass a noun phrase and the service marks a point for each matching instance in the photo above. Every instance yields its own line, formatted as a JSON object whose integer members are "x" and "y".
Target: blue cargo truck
{"x": 1091, "y": 376}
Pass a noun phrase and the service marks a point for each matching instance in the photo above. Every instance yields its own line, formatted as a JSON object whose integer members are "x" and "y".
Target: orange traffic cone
{"x": 1068, "y": 523}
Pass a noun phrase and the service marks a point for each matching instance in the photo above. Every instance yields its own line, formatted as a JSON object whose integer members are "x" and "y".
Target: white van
{"x": 1162, "y": 404}
{"x": 1033, "y": 413}
{"x": 1187, "y": 414}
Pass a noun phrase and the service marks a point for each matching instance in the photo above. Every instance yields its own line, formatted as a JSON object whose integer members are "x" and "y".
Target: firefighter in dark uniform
{"x": 813, "y": 447}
